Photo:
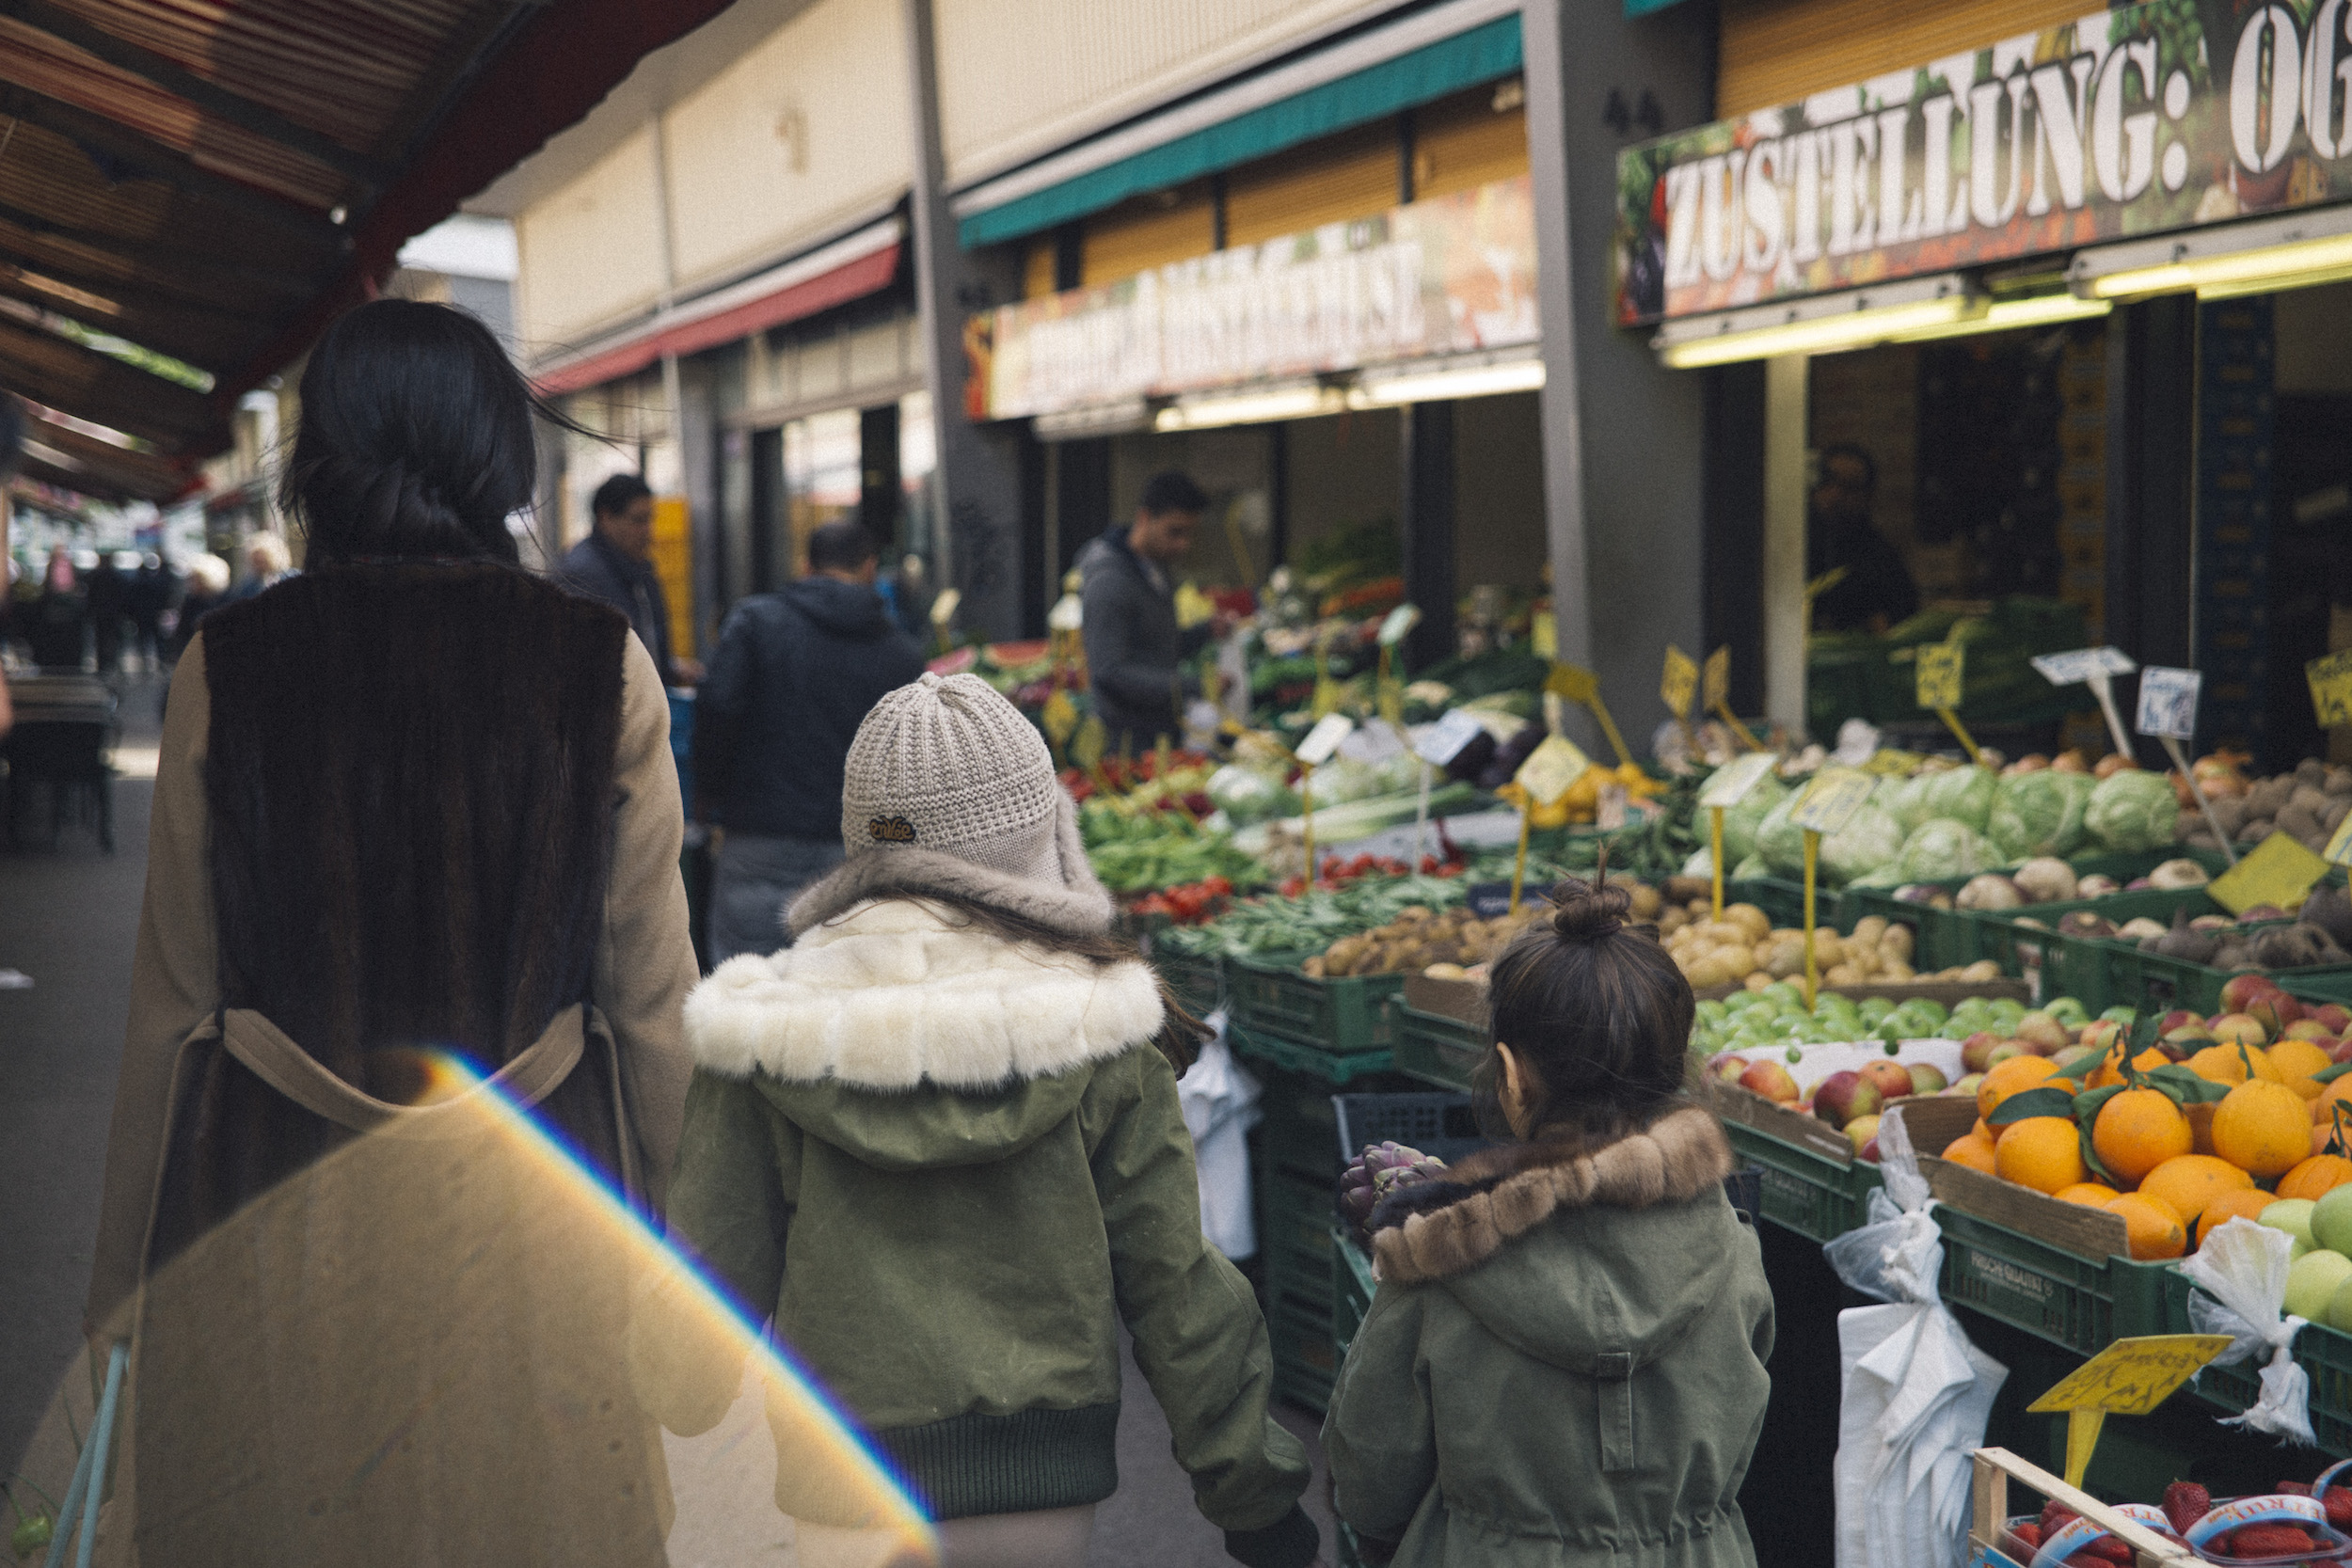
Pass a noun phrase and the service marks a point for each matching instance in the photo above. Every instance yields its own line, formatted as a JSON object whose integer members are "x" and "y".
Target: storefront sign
{"x": 1451, "y": 275}
{"x": 2133, "y": 121}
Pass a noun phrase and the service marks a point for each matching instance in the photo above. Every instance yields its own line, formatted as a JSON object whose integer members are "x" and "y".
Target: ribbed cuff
{"x": 1290, "y": 1541}
{"x": 1018, "y": 1464}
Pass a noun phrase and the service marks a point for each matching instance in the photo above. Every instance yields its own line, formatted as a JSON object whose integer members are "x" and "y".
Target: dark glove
{"x": 1290, "y": 1541}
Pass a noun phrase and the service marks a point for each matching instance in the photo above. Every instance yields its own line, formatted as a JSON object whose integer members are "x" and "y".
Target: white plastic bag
{"x": 1914, "y": 1392}
{"x": 2242, "y": 1268}
{"x": 1220, "y": 1106}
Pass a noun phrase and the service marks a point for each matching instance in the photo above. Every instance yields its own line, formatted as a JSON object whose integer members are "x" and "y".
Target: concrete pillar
{"x": 1785, "y": 438}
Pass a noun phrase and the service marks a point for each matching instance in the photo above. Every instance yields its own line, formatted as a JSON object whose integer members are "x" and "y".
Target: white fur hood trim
{"x": 894, "y": 993}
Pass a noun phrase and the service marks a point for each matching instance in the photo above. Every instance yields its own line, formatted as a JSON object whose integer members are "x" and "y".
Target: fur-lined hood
{"x": 1441, "y": 1229}
{"x": 897, "y": 992}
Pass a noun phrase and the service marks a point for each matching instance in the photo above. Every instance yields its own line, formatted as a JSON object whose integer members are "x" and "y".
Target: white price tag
{"x": 1442, "y": 742}
{"x": 1399, "y": 624}
{"x": 2080, "y": 664}
{"x": 1832, "y": 798}
{"x": 1377, "y": 742}
{"x": 1324, "y": 738}
{"x": 1733, "y": 782}
{"x": 2168, "y": 702}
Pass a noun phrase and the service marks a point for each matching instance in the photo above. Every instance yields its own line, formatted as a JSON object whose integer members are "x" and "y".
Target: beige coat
{"x": 643, "y": 968}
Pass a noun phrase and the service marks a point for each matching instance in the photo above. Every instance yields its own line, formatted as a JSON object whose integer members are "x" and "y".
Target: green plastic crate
{"x": 2075, "y": 1302}
{"x": 2059, "y": 965}
{"x": 1802, "y": 1191}
{"x": 1782, "y": 900}
{"x": 1348, "y": 1014}
{"x": 1351, "y": 1286}
{"x": 1935, "y": 933}
{"x": 1198, "y": 983}
{"x": 2152, "y": 981}
{"x": 2318, "y": 984}
{"x": 1332, "y": 1067}
{"x": 1435, "y": 1049}
{"x": 2325, "y": 1355}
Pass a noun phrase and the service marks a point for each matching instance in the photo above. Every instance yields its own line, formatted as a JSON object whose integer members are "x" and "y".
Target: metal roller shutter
{"x": 1352, "y": 175}
{"x": 1774, "y": 52}
{"x": 1148, "y": 231}
{"x": 1465, "y": 141}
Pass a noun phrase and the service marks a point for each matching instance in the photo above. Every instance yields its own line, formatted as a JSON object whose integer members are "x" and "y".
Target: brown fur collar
{"x": 1442, "y": 1228}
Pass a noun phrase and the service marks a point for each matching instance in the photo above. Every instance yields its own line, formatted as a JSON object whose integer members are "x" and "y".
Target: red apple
{"x": 1926, "y": 1078}
{"x": 1843, "y": 1096}
{"x": 2099, "y": 1033}
{"x": 1728, "y": 1068}
{"x": 2240, "y": 1029}
{"x": 1975, "y": 1052}
{"x": 1864, "y": 1130}
{"x": 2179, "y": 1017}
{"x": 2239, "y": 990}
{"x": 2341, "y": 1050}
{"x": 2310, "y": 1029}
{"x": 1870, "y": 1150}
{"x": 2041, "y": 1034}
{"x": 1890, "y": 1078}
{"x": 1770, "y": 1079}
{"x": 2337, "y": 1020}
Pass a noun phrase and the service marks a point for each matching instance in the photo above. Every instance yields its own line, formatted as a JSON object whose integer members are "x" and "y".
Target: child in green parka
{"x": 1564, "y": 1362}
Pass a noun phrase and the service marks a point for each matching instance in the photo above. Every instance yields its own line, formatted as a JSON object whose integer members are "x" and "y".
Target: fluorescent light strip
{"x": 1825, "y": 324}
{"x": 2008, "y": 315}
{"x": 1256, "y": 407}
{"x": 1443, "y": 383}
{"x": 2292, "y": 251}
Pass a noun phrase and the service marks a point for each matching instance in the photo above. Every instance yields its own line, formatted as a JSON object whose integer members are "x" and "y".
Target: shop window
{"x": 1148, "y": 231}
{"x": 1776, "y": 52}
{"x": 1338, "y": 180}
{"x": 1465, "y": 141}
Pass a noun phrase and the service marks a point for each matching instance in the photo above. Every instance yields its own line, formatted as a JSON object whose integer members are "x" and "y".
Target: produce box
{"x": 1441, "y": 1030}
{"x": 1781, "y": 900}
{"x": 1812, "y": 1183}
{"x": 2054, "y": 964}
{"x": 1198, "y": 983}
{"x": 1296, "y": 1177}
{"x": 2152, "y": 982}
{"x": 2325, "y": 1355}
{"x": 1992, "y": 1514}
{"x": 1351, "y": 1286}
{"x": 2059, "y": 1271}
{"x": 1346, "y": 1015}
{"x": 1298, "y": 1056}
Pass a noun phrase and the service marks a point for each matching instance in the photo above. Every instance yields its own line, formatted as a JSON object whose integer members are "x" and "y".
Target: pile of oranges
{"x": 2175, "y": 1149}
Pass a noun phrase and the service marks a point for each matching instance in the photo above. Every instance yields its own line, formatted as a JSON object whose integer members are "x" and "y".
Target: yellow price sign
{"x": 2331, "y": 688}
{"x": 2278, "y": 871}
{"x": 2131, "y": 1377}
{"x": 1551, "y": 769}
{"x": 2339, "y": 850}
{"x": 1544, "y": 633}
{"x": 1940, "y": 675}
{"x": 1680, "y": 682}
{"x": 1059, "y": 718}
{"x": 1087, "y": 748}
{"x": 1574, "y": 682}
{"x": 1832, "y": 798}
{"x": 1718, "y": 679}
{"x": 1193, "y": 608}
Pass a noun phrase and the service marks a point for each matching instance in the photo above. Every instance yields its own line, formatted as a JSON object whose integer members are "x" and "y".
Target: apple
{"x": 2002, "y": 1052}
{"x": 2239, "y": 990}
{"x": 1871, "y": 1151}
{"x": 2041, "y": 1034}
{"x": 2101, "y": 1033}
{"x": 2077, "y": 1063}
{"x": 1843, "y": 1096}
{"x": 2331, "y": 1222}
{"x": 2337, "y": 1019}
{"x": 2309, "y": 1029}
{"x": 2239, "y": 1029}
{"x": 1728, "y": 1068}
{"x": 2340, "y": 1050}
{"x": 2275, "y": 1013}
{"x": 1891, "y": 1079}
{"x": 2291, "y": 1216}
{"x": 2312, "y": 1280}
{"x": 1770, "y": 1079}
{"x": 2179, "y": 1017}
{"x": 1864, "y": 1130}
{"x": 2339, "y": 1314}
{"x": 1968, "y": 1084}
{"x": 1975, "y": 1052}
{"x": 1926, "y": 1078}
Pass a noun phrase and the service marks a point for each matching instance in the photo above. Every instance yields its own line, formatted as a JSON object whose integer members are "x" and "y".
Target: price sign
{"x": 1939, "y": 674}
{"x": 1377, "y": 742}
{"x": 1325, "y": 739}
{"x": 1399, "y": 624}
{"x": 1680, "y": 682}
{"x": 1718, "y": 678}
{"x": 944, "y": 607}
{"x": 1551, "y": 769}
{"x": 1735, "y": 781}
{"x": 2339, "y": 848}
{"x": 2168, "y": 702}
{"x": 1442, "y": 742}
{"x": 1889, "y": 763}
{"x": 2331, "y": 688}
{"x": 2278, "y": 871}
{"x": 2077, "y": 665}
{"x": 1087, "y": 748}
{"x": 1574, "y": 682}
{"x": 1832, "y": 798}
{"x": 2131, "y": 1377}
{"x": 1060, "y": 717}
{"x": 1544, "y": 633}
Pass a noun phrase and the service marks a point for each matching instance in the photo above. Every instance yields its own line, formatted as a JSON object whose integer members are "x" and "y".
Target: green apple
{"x": 2291, "y": 1216}
{"x": 2331, "y": 1221}
{"x": 2313, "y": 1281}
{"x": 2296, "y": 1248}
{"x": 2340, "y": 1309}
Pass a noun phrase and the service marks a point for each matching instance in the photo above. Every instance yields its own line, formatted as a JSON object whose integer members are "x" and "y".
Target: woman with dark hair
{"x": 1564, "y": 1361}
{"x": 412, "y": 801}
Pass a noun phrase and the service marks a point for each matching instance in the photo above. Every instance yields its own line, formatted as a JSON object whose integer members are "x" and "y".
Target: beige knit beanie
{"x": 949, "y": 766}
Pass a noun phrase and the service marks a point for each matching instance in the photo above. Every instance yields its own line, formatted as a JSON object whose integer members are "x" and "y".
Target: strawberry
{"x": 2109, "y": 1548}
{"x": 2185, "y": 1503}
{"x": 2260, "y": 1541}
{"x": 2056, "y": 1516}
{"x": 2293, "y": 1489}
{"x": 2026, "y": 1536}
{"x": 2084, "y": 1559}
{"x": 2338, "y": 1503}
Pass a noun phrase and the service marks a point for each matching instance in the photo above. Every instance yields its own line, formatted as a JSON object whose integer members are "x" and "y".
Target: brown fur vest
{"x": 1445, "y": 1228}
{"x": 409, "y": 783}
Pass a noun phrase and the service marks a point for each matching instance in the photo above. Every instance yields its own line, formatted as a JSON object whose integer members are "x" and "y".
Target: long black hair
{"x": 416, "y": 440}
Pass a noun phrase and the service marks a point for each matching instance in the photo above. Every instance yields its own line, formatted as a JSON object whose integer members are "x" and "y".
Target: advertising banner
{"x": 1446, "y": 276}
{"x": 2133, "y": 121}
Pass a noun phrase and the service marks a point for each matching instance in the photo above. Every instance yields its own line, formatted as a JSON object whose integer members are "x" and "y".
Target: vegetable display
{"x": 1279, "y": 926}
{"x": 2132, "y": 810}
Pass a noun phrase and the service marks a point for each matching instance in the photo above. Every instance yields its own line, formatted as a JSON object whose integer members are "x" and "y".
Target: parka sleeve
{"x": 1379, "y": 1438}
{"x": 1200, "y": 1340}
{"x": 1108, "y": 630}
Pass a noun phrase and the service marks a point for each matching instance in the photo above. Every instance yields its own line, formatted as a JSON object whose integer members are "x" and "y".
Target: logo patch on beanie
{"x": 891, "y": 830}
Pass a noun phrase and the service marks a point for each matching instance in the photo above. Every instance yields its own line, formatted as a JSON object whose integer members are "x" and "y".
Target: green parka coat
{"x": 1564, "y": 1363}
{"x": 949, "y": 1165}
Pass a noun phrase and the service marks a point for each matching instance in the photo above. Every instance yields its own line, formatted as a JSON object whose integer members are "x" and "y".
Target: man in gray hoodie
{"x": 1129, "y": 597}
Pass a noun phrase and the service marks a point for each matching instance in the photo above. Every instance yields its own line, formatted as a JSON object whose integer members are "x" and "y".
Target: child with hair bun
{"x": 1564, "y": 1362}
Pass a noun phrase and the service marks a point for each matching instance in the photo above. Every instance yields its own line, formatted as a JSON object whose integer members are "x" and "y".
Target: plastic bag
{"x": 1220, "y": 1105}
{"x": 2242, "y": 1270}
{"x": 1915, "y": 1393}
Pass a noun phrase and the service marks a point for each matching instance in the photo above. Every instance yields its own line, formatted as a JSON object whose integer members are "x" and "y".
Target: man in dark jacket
{"x": 1877, "y": 591}
{"x": 1129, "y": 598}
{"x": 795, "y": 675}
{"x": 615, "y": 563}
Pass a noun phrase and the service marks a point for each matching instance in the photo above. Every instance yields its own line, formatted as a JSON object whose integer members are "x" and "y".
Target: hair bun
{"x": 1589, "y": 912}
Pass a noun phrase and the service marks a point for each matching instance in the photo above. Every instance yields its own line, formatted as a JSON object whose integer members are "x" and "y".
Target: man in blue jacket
{"x": 1129, "y": 597}
{"x": 795, "y": 674}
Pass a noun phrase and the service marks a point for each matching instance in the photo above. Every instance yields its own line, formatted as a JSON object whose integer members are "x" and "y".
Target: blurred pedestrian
{"x": 1133, "y": 644}
{"x": 615, "y": 563}
{"x": 413, "y": 800}
{"x": 795, "y": 674}
{"x": 106, "y": 596}
{"x": 207, "y": 586}
{"x": 268, "y": 562}
{"x": 154, "y": 587}
{"x": 938, "y": 1139}
{"x": 60, "y": 626}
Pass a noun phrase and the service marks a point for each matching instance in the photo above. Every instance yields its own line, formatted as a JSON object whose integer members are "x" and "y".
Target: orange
{"x": 2013, "y": 1076}
{"x": 2152, "y": 1229}
{"x": 2329, "y": 1094}
{"x": 1973, "y": 1151}
{"x": 2090, "y": 1195}
{"x": 2315, "y": 1176}
{"x": 2308, "y": 1088}
{"x": 2246, "y": 1203}
{"x": 2227, "y": 1064}
{"x": 2107, "y": 1073}
{"x": 2298, "y": 1059}
{"x": 2137, "y": 1130}
{"x": 2260, "y": 1128}
{"x": 2186, "y": 1182}
{"x": 2041, "y": 1152}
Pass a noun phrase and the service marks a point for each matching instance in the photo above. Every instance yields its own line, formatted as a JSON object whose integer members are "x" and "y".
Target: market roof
{"x": 191, "y": 189}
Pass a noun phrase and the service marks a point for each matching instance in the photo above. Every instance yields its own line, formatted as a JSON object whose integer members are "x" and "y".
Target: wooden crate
{"x": 1990, "y": 1545}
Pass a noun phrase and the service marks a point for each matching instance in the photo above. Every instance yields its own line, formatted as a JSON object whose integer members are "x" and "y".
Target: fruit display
{"x": 2047, "y": 880}
{"x": 2299, "y": 1522}
{"x": 1380, "y": 1169}
{"x": 1140, "y": 851}
{"x": 1744, "y": 948}
{"x": 1441, "y": 942}
{"x": 2261, "y": 937}
{"x": 2307, "y": 804}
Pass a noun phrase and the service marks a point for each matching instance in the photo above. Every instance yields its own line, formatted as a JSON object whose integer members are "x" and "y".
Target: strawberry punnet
{"x": 2338, "y": 1502}
{"x": 2185, "y": 1503}
{"x": 2261, "y": 1540}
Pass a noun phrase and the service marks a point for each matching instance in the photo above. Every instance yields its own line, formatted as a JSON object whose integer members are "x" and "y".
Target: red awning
{"x": 851, "y": 268}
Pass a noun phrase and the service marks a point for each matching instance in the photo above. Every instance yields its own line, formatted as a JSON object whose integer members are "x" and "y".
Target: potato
{"x": 1758, "y": 981}
{"x": 1896, "y": 942}
{"x": 1672, "y": 921}
{"x": 1786, "y": 958}
{"x": 1646, "y": 902}
{"x": 1710, "y": 970}
{"x": 1446, "y": 972}
{"x": 1893, "y": 971}
{"x": 1868, "y": 930}
{"x": 1313, "y": 969}
{"x": 1737, "y": 962}
{"x": 1862, "y": 961}
{"x": 1749, "y": 919}
{"x": 1828, "y": 946}
{"x": 1983, "y": 969}
{"x": 1841, "y": 974}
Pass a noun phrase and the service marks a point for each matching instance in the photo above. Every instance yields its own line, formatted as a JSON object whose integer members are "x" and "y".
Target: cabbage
{"x": 2039, "y": 814}
{"x": 2132, "y": 810}
{"x": 1343, "y": 780}
{"x": 1943, "y": 850}
{"x": 1246, "y": 795}
{"x": 1779, "y": 841}
{"x": 1871, "y": 838}
{"x": 1962, "y": 794}
{"x": 1884, "y": 879}
{"x": 1906, "y": 799}
{"x": 1740, "y": 821}
{"x": 1750, "y": 869}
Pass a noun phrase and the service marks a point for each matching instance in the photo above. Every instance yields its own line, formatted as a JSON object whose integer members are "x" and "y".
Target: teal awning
{"x": 1429, "y": 72}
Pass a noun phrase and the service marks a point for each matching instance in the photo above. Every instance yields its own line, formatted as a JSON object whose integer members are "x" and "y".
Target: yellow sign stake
{"x": 1307, "y": 811}
{"x": 1716, "y": 854}
{"x": 2131, "y": 1377}
{"x": 1717, "y": 696}
{"x": 1518, "y": 868}
{"x": 1580, "y": 685}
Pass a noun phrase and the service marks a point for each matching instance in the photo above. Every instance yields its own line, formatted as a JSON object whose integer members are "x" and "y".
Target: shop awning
{"x": 103, "y": 467}
{"x": 212, "y": 184}
{"x": 851, "y": 268}
{"x": 1009, "y": 208}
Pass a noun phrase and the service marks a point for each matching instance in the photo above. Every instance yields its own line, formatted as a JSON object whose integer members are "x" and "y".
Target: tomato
{"x": 1219, "y": 886}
